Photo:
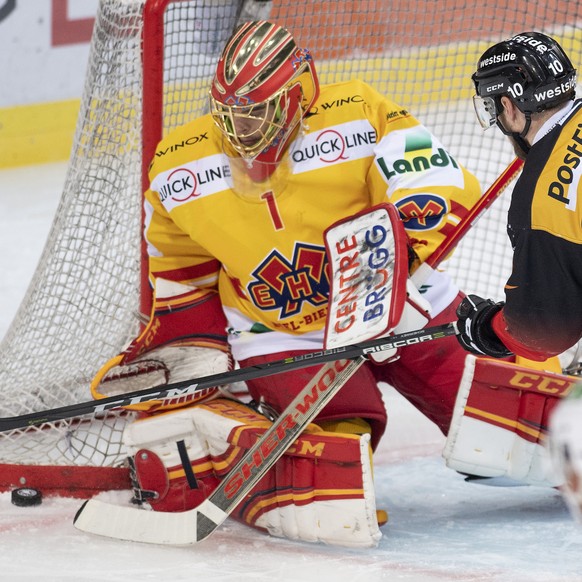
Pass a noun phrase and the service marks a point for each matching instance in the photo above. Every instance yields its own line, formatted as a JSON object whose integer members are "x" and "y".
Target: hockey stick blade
{"x": 193, "y": 526}
{"x": 186, "y": 387}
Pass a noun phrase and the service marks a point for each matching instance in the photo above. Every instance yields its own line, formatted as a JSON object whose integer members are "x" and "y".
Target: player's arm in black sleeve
{"x": 543, "y": 309}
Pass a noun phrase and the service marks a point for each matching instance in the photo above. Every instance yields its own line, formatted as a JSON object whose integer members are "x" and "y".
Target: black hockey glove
{"x": 475, "y": 332}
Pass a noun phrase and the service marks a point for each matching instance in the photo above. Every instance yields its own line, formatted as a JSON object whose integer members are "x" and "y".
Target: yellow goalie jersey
{"x": 261, "y": 243}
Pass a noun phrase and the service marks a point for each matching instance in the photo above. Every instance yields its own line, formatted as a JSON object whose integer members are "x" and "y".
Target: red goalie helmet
{"x": 263, "y": 86}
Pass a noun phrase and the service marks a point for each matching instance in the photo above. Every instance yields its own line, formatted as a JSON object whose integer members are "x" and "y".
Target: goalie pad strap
{"x": 188, "y": 472}
{"x": 321, "y": 489}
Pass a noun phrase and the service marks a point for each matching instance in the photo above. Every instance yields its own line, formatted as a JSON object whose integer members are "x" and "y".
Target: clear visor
{"x": 251, "y": 129}
{"x": 255, "y": 180}
{"x": 485, "y": 110}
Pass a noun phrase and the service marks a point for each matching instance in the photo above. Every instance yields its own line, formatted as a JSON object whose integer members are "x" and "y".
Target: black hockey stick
{"x": 187, "y": 387}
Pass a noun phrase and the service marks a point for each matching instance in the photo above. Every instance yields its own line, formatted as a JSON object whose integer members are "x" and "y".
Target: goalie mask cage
{"x": 149, "y": 70}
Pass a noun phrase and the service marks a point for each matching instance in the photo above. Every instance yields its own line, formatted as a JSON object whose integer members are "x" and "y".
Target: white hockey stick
{"x": 192, "y": 526}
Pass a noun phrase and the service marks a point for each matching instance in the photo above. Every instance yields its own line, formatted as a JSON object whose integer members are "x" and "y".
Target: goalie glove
{"x": 475, "y": 332}
{"x": 184, "y": 339}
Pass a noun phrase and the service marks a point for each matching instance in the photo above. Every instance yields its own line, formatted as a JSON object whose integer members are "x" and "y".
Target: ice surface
{"x": 441, "y": 528}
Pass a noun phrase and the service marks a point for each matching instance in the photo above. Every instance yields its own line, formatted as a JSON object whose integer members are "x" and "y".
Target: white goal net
{"x": 149, "y": 70}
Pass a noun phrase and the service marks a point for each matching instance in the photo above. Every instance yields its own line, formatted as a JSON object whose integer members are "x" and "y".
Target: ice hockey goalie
{"x": 321, "y": 490}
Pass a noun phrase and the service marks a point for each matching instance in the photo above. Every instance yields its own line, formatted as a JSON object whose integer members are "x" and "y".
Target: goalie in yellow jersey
{"x": 235, "y": 218}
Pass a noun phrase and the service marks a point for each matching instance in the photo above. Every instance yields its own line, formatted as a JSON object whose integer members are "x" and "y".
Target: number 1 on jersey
{"x": 269, "y": 198}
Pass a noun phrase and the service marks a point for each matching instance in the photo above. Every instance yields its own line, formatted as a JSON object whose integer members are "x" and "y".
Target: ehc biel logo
{"x": 286, "y": 285}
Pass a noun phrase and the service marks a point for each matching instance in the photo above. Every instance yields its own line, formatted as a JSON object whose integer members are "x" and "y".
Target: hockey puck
{"x": 26, "y": 497}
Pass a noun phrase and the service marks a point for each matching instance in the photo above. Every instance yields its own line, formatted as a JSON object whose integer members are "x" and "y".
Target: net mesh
{"x": 82, "y": 305}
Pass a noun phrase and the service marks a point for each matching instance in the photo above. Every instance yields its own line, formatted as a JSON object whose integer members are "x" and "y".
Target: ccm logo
{"x": 539, "y": 383}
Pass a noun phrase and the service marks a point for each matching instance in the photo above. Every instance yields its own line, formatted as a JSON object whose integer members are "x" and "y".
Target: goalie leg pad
{"x": 321, "y": 490}
{"x": 171, "y": 464}
{"x": 500, "y": 421}
{"x": 318, "y": 494}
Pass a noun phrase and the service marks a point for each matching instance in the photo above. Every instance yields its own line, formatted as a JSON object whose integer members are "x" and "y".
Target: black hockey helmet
{"x": 530, "y": 68}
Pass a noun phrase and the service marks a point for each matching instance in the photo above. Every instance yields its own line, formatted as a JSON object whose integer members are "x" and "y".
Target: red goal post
{"x": 149, "y": 69}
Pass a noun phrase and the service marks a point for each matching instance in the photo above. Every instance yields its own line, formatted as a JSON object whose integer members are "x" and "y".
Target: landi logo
{"x": 418, "y": 156}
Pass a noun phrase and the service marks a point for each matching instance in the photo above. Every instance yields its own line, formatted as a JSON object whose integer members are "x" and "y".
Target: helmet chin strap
{"x": 519, "y": 138}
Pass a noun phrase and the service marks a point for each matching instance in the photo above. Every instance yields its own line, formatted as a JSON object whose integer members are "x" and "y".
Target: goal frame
{"x": 85, "y": 481}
